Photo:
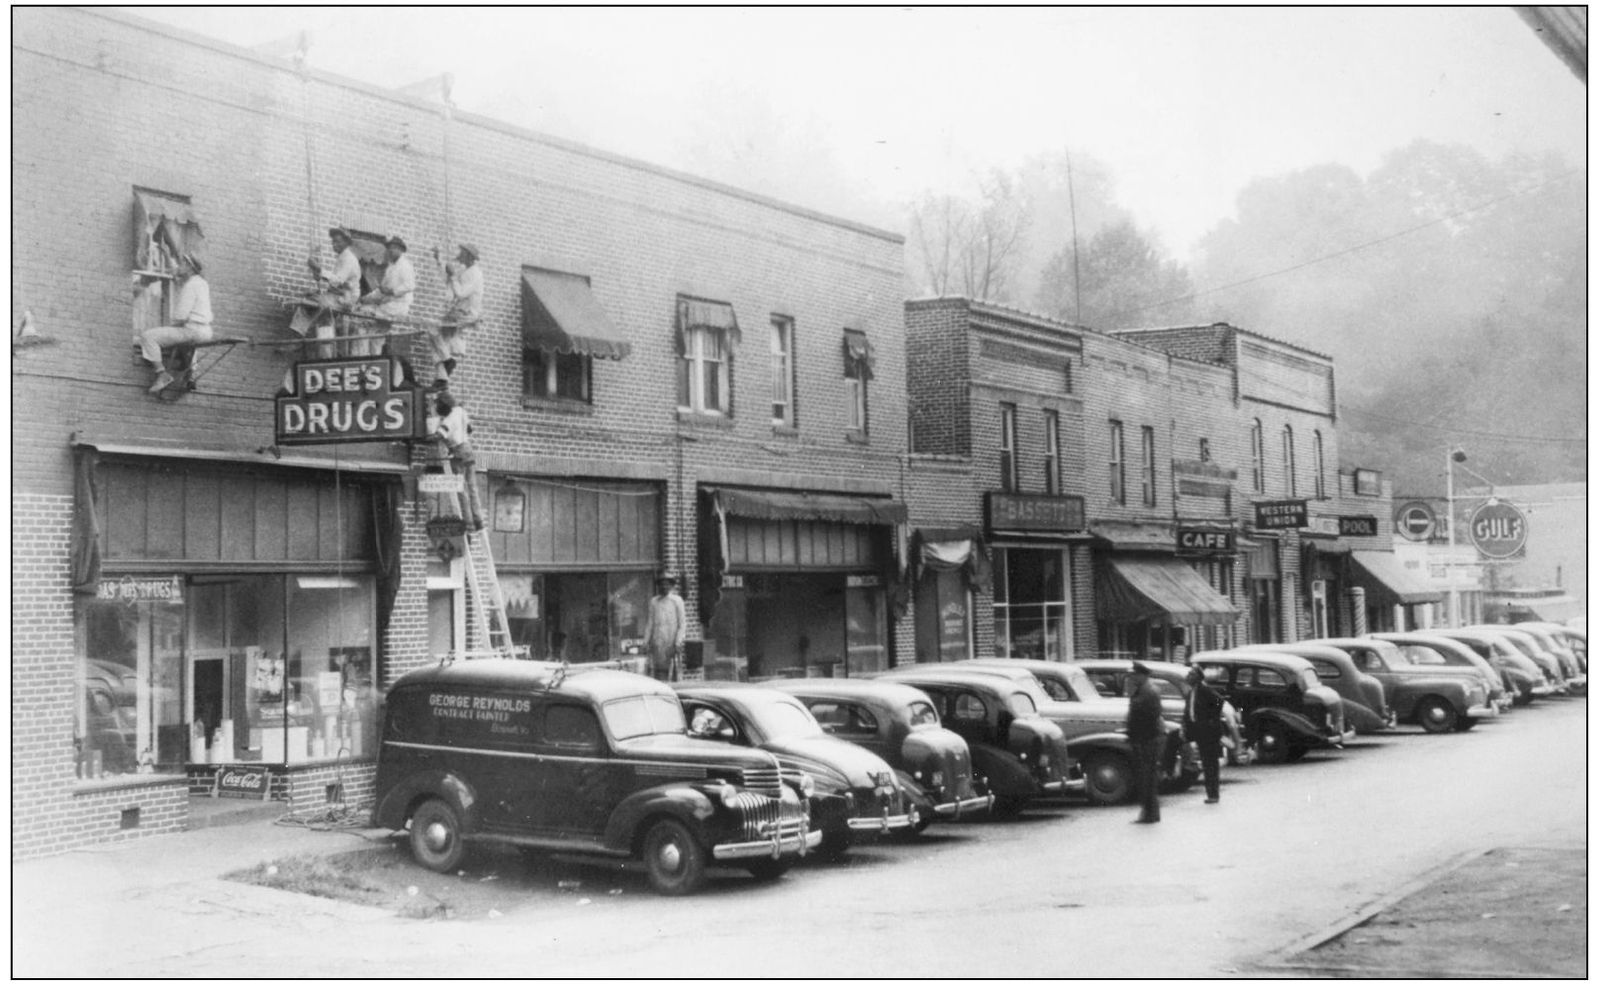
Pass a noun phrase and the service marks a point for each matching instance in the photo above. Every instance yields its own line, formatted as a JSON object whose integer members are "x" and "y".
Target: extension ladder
{"x": 490, "y": 624}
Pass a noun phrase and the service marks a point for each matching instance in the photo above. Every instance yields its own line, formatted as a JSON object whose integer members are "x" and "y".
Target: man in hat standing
{"x": 464, "y": 276}
{"x": 1143, "y": 732}
{"x": 666, "y": 634}
{"x": 337, "y": 286}
{"x": 1202, "y": 724}
{"x": 396, "y": 294}
{"x": 193, "y": 320}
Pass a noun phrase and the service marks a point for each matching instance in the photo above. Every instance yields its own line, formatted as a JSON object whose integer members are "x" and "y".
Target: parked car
{"x": 1548, "y": 664}
{"x": 1524, "y": 678}
{"x": 1095, "y": 729}
{"x": 1020, "y": 752}
{"x": 594, "y": 762}
{"x": 1363, "y": 696}
{"x": 1285, "y": 708}
{"x": 1108, "y": 677}
{"x": 1570, "y": 639}
{"x": 1427, "y": 648}
{"x": 855, "y": 793}
{"x": 1574, "y": 678}
{"x": 898, "y": 723}
{"x": 1430, "y": 696}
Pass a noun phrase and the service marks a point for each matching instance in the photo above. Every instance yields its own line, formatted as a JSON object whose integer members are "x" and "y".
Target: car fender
{"x": 681, "y": 801}
{"x": 1363, "y": 716}
{"x": 1289, "y": 719}
{"x": 1003, "y": 771}
{"x": 916, "y": 795}
{"x": 392, "y": 809}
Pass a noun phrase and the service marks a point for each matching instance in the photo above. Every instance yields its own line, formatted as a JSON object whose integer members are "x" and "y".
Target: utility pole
{"x": 1075, "y": 243}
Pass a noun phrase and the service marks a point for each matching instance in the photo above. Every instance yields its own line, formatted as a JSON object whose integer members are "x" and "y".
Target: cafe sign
{"x": 1006, "y": 511}
{"x": 1204, "y": 540}
{"x": 133, "y": 589}
{"x": 1281, "y": 514}
{"x": 359, "y": 400}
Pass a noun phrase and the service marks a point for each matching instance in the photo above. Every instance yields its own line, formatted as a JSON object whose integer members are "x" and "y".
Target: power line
{"x": 1351, "y": 250}
{"x": 1476, "y": 433}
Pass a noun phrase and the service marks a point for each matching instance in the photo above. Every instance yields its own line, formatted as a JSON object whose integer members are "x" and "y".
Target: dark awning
{"x": 560, "y": 314}
{"x": 1151, "y": 588}
{"x": 783, "y": 505}
{"x": 859, "y": 354}
{"x": 1135, "y": 535}
{"x": 694, "y": 313}
{"x": 1381, "y": 573}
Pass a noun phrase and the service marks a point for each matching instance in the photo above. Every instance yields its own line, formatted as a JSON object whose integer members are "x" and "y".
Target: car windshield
{"x": 1393, "y": 657}
{"x": 1021, "y": 704}
{"x": 784, "y": 718}
{"x": 920, "y": 713}
{"x": 1079, "y": 684}
{"x": 1308, "y": 676}
{"x": 1423, "y": 655}
{"x": 648, "y": 713}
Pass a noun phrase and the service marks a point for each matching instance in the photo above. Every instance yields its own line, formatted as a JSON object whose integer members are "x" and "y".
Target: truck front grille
{"x": 762, "y": 780}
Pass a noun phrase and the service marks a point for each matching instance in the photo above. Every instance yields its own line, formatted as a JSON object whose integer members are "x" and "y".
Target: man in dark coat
{"x": 1202, "y": 723}
{"x": 1143, "y": 732}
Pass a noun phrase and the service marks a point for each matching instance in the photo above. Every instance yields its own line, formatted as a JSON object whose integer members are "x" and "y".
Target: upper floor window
{"x": 564, "y": 330}
{"x": 707, "y": 332}
{"x": 782, "y": 351}
{"x": 165, "y": 229}
{"x": 1258, "y": 455}
{"x": 1050, "y": 456}
{"x": 1008, "y": 447}
{"x": 1204, "y": 451}
{"x": 1148, "y": 466}
{"x": 1117, "y": 462}
{"x": 1317, "y": 448}
{"x": 1289, "y": 460}
{"x": 859, "y": 372}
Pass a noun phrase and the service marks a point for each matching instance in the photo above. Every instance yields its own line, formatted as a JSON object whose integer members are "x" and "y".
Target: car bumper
{"x": 883, "y": 824}
{"x": 1482, "y": 711}
{"x": 1059, "y": 786}
{"x": 1546, "y": 689}
{"x": 799, "y": 843}
{"x": 962, "y": 807}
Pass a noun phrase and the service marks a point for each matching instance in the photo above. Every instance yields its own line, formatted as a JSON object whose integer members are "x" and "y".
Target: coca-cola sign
{"x": 241, "y": 782}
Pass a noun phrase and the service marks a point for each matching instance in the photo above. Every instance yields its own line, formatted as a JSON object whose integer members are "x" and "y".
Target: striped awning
{"x": 560, "y": 314}
{"x": 1158, "y": 588}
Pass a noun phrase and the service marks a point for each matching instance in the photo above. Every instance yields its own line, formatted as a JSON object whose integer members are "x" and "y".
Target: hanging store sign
{"x": 1204, "y": 540}
{"x": 359, "y": 400}
{"x": 1497, "y": 530}
{"x": 1035, "y": 512}
{"x": 1280, "y": 514}
{"x": 1358, "y": 525}
{"x": 441, "y": 483}
{"x": 133, "y": 589}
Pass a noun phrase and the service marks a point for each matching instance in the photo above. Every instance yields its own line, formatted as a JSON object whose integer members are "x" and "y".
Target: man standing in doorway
{"x": 1202, "y": 723}
{"x": 1144, "y": 734}
{"x": 666, "y": 633}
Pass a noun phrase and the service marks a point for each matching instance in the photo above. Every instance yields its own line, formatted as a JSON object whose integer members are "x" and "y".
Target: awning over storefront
{"x": 559, "y": 313}
{"x": 1145, "y": 588}
{"x": 1381, "y": 572}
{"x": 790, "y": 506}
{"x": 1557, "y": 607}
{"x": 948, "y": 549}
{"x": 1129, "y": 536}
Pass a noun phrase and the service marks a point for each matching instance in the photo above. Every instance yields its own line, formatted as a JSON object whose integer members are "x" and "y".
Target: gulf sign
{"x": 1497, "y": 530}
{"x": 359, "y": 400}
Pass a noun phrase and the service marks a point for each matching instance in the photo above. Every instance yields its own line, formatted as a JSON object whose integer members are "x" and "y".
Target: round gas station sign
{"x": 1497, "y": 529}
{"x": 1415, "y": 521}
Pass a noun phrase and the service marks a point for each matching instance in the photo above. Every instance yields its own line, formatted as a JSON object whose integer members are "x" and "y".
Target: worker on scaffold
{"x": 392, "y": 300}
{"x": 337, "y": 288}
{"x": 452, "y": 427}
{"x": 464, "y": 276}
{"x": 193, "y": 320}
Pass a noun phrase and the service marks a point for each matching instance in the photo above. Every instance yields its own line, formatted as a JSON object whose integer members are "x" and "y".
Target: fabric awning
{"x": 1380, "y": 572}
{"x": 1158, "y": 588}
{"x": 694, "y": 313}
{"x": 560, "y": 314}
{"x": 1135, "y": 536}
{"x": 786, "y": 505}
{"x": 859, "y": 354}
{"x": 171, "y": 222}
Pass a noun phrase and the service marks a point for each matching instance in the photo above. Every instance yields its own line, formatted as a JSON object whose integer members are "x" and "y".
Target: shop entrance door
{"x": 207, "y": 704}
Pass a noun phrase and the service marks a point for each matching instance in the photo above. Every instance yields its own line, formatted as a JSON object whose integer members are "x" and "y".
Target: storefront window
{"x": 865, "y": 627}
{"x": 578, "y": 617}
{"x": 1029, "y": 607}
{"x": 230, "y": 668}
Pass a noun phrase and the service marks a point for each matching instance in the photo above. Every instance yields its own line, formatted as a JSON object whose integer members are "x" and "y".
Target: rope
{"x": 308, "y": 158}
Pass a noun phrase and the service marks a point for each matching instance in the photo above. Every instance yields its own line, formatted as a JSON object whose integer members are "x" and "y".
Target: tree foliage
{"x": 1123, "y": 281}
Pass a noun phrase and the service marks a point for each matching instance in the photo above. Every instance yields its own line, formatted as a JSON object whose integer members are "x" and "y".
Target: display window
{"x": 803, "y": 624}
{"x": 269, "y": 668}
{"x": 579, "y": 617}
{"x": 1030, "y": 605}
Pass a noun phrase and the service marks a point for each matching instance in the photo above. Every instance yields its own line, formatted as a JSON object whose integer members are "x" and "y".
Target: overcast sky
{"x": 856, "y": 111}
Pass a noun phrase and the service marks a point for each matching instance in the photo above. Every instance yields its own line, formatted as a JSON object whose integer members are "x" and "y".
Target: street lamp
{"x": 1454, "y": 454}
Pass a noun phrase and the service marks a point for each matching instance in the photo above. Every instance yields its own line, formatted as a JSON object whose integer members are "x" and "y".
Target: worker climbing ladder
{"x": 490, "y": 624}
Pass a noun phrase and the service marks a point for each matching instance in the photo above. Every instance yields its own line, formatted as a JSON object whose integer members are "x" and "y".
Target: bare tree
{"x": 971, "y": 247}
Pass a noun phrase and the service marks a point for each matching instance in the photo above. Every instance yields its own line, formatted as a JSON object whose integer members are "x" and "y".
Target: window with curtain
{"x": 782, "y": 346}
{"x": 1008, "y": 443}
{"x": 859, "y": 372}
{"x": 1148, "y": 466}
{"x": 1117, "y": 462}
{"x": 554, "y": 375}
{"x": 703, "y": 385}
{"x": 1050, "y": 456}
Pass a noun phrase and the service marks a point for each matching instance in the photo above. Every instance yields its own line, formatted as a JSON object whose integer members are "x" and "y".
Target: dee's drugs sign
{"x": 361, "y": 400}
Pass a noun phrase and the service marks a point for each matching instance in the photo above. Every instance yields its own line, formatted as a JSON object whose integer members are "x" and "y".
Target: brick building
{"x": 668, "y": 374}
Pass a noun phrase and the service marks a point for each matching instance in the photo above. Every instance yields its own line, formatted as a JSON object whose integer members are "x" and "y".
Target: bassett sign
{"x": 348, "y": 401}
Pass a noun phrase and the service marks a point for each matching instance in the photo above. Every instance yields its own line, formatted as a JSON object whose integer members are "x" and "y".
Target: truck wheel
{"x": 771, "y": 869}
{"x": 1109, "y": 778}
{"x": 1437, "y": 715}
{"x": 675, "y": 860}
{"x": 1271, "y": 743}
{"x": 434, "y": 836}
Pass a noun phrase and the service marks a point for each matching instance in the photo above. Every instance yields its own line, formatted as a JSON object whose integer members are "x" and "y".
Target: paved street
{"x": 1066, "y": 891}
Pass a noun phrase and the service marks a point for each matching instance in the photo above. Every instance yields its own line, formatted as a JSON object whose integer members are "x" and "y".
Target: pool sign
{"x": 1416, "y": 521}
{"x": 1497, "y": 530}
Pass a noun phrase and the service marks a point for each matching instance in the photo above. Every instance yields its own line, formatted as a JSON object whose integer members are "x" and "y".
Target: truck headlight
{"x": 728, "y": 796}
{"x": 807, "y": 786}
